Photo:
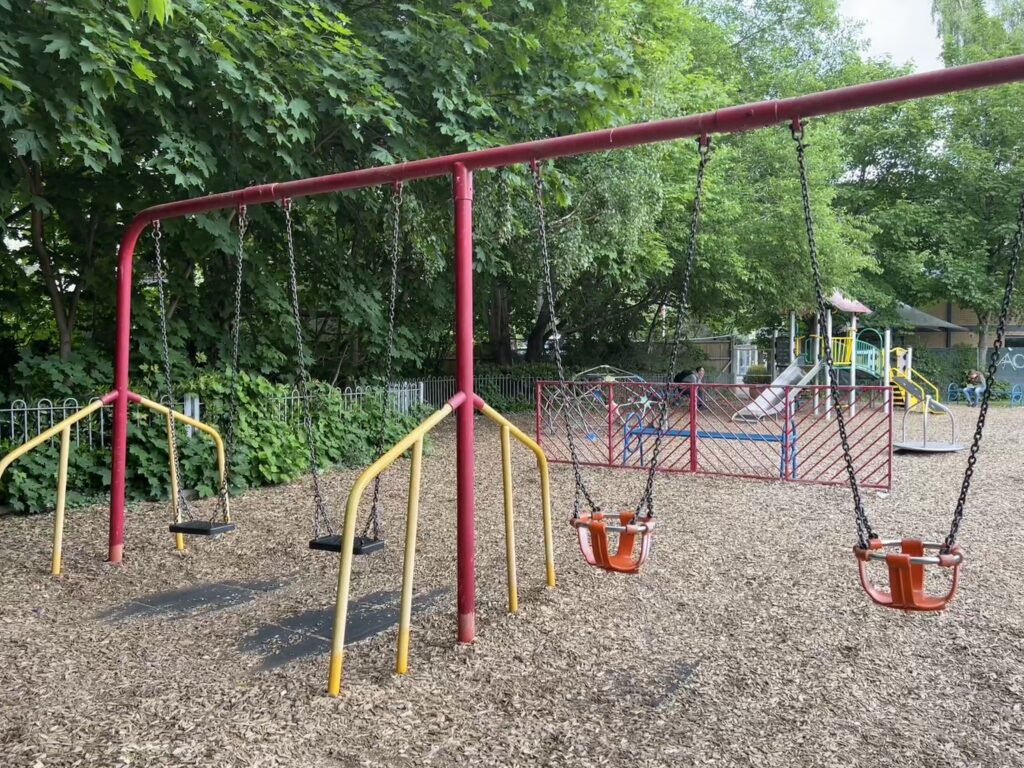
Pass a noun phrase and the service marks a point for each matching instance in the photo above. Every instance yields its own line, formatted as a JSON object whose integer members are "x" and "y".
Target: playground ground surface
{"x": 746, "y": 640}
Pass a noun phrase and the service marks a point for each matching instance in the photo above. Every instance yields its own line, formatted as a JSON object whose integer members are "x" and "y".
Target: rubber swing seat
{"x": 202, "y": 528}
{"x": 361, "y": 545}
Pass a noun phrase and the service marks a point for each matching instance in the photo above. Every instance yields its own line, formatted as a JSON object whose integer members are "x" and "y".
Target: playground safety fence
{"x": 758, "y": 432}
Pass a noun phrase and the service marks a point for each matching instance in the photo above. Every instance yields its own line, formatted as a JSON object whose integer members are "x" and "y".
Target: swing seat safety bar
{"x": 907, "y": 573}
{"x": 414, "y": 441}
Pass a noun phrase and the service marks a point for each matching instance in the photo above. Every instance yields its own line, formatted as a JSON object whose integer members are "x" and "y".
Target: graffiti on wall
{"x": 1010, "y": 365}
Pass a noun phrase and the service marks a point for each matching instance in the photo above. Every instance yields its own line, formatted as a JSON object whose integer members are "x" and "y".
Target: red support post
{"x": 122, "y": 358}
{"x": 536, "y": 410}
{"x": 611, "y": 427}
{"x": 464, "y": 456}
{"x": 787, "y": 434}
{"x": 694, "y": 465}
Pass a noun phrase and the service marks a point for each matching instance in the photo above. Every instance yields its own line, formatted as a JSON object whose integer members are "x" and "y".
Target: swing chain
{"x": 229, "y": 432}
{"x": 375, "y": 525}
{"x": 704, "y": 150}
{"x": 321, "y": 517}
{"x": 183, "y": 512}
{"x": 990, "y": 375}
{"x": 580, "y": 488}
{"x": 864, "y": 530}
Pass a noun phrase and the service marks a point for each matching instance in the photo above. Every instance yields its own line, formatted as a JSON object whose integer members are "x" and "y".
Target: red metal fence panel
{"x": 757, "y": 432}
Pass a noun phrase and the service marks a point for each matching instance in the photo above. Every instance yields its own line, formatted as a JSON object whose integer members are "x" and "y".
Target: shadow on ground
{"x": 309, "y": 633}
{"x": 191, "y": 600}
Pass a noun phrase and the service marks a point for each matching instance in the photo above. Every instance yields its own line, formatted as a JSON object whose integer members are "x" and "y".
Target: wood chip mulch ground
{"x": 746, "y": 640}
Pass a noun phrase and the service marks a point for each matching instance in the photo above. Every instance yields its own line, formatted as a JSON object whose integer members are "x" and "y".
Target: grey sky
{"x": 901, "y": 29}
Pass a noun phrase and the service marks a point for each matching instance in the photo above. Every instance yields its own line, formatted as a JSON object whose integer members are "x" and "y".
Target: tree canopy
{"x": 106, "y": 108}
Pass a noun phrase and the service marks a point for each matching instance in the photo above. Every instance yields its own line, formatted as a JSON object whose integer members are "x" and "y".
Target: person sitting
{"x": 690, "y": 377}
{"x": 975, "y": 388}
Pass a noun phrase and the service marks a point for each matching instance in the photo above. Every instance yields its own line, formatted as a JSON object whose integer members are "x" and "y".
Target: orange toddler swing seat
{"x": 592, "y": 531}
{"x": 907, "y": 572}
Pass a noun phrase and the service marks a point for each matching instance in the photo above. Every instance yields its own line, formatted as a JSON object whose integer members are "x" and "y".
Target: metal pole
{"x": 853, "y": 364}
{"x": 792, "y": 336}
{"x": 464, "y": 456}
{"x": 510, "y": 528}
{"x": 745, "y": 117}
{"x": 62, "y": 495}
{"x": 886, "y": 373}
{"x": 409, "y": 564}
{"x": 119, "y": 436}
{"x": 828, "y": 371}
{"x": 816, "y": 347}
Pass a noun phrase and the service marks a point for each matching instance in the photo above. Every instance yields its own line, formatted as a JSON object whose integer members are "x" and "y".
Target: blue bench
{"x": 634, "y": 433}
{"x": 954, "y": 394}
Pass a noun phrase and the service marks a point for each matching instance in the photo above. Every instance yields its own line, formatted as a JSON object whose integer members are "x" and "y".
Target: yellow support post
{"x": 62, "y": 428}
{"x": 62, "y": 495}
{"x": 510, "y": 528}
{"x": 349, "y": 533}
{"x": 545, "y": 483}
{"x": 179, "y": 539}
{"x": 412, "y": 520}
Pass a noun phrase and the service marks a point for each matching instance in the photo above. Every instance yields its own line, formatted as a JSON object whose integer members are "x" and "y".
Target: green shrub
{"x": 945, "y": 366}
{"x": 30, "y": 483}
{"x": 757, "y": 374}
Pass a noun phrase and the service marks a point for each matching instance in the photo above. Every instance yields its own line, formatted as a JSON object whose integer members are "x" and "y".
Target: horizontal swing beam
{"x": 735, "y": 119}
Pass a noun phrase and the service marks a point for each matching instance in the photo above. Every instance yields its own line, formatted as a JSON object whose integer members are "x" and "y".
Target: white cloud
{"x": 900, "y": 29}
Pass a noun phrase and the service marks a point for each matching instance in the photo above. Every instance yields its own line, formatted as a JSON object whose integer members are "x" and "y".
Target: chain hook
{"x": 796, "y": 129}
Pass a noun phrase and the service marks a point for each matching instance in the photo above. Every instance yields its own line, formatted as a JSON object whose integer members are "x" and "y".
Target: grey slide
{"x": 773, "y": 400}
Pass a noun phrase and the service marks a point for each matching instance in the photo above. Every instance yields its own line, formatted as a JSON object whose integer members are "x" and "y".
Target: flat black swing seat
{"x": 202, "y": 528}
{"x": 362, "y": 545}
{"x": 929, "y": 447}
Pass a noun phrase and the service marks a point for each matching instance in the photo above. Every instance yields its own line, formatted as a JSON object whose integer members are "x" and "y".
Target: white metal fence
{"x": 20, "y": 421}
{"x": 438, "y": 389}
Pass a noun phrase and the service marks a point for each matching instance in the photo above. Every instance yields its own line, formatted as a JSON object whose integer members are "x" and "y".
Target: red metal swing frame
{"x": 460, "y": 168}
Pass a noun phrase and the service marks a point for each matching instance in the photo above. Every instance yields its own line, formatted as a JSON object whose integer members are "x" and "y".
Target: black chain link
{"x": 864, "y": 530}
{"x": 990, "y": 376}
{"x": 321, "y": 515}
{"x": 580, "y": 488}
{"x": 184, "y": 511}
{"x": 647, "y": 499}
{"x": 376, "y": 522}
{"x": 224, "y": 510}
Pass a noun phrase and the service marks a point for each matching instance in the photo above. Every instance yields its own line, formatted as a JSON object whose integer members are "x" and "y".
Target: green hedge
{"x": 945, "y": 366}
{"x": 757, "y": 374}
{"x": 268, "y": 450}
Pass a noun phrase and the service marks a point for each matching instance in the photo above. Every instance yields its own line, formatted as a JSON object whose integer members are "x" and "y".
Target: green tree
{"x": 940, "y": 178}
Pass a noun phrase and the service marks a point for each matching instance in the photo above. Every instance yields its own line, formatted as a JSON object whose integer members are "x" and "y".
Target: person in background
{"x": 975, "y": 388}
{"x": 691, "y": 377}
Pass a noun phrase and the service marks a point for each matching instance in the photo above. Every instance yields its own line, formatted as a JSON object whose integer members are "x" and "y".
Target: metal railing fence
{"x": 20, "y": 420}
